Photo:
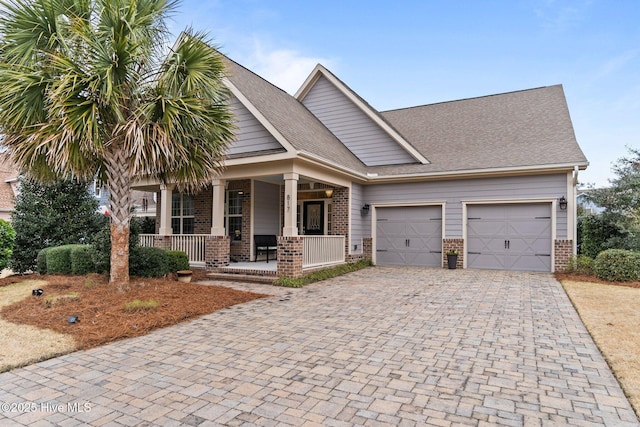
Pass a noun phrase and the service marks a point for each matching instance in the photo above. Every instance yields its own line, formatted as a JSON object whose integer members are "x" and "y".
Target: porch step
{"x": 244, "y": 276}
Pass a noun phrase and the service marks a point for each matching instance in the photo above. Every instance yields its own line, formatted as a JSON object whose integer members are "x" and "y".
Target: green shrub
{"x": 580, "y": 264}
{"x": 59, "y": 259}
{"x": 82, "y": 259}
{"x": 101, "y": 242}
{"x": 41, "y": 261}
{"x": 177, "y": 260}
{"x": 148, "y": 262}
{"x": 319, "y": 275}
{"x": 7, "y": 239}
{"x": 617, "y": 265}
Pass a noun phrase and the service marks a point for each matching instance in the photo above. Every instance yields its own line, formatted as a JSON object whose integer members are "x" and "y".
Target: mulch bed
{"x": 575, "y": 277}
{"x": 100, "y": 307}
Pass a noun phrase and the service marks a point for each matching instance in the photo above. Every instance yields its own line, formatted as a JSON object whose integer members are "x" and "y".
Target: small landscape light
{"x": 73, "y": 319}
{"x": 37, "y": 292}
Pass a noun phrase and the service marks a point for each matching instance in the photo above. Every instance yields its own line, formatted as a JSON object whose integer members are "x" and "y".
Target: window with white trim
{"x": 234, "y": 214}
{"x": 182, "y": 213}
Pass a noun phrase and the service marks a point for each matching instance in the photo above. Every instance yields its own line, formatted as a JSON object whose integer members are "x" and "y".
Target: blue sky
{"x": 406, "y": 53}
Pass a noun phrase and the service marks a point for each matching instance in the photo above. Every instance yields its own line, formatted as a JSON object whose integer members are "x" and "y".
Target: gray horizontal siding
{"x": 353, "y": 127}
{"x": 453, "y": 192}
{"x": 266, "y": 208}
{"x": 251, "y": 136}
{"x": 360, "y": 226}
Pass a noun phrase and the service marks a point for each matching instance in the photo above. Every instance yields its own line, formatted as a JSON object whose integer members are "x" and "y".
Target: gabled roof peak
{"x": 320, "y": 71}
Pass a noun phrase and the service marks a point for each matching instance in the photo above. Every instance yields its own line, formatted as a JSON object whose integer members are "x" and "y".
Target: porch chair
{"x": 265, "y": 243}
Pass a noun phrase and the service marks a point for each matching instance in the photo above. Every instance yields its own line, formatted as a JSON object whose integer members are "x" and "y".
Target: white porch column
{"x": 290, "y": 204}
{"x": 217, "y": 210}
{"x": 166, "y": 191}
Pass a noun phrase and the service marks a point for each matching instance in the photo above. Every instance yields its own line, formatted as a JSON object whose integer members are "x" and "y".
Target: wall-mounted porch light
{"x": 562, "y": 203}
{"x": 365, "y": 209}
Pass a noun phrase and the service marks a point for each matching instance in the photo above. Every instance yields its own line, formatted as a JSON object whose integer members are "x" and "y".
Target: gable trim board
{"x": 321, "y": 71}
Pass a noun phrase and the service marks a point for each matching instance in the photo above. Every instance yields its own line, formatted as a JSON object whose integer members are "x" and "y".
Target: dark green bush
{"x": 177, "y": 260}
{"x": 59, "y": 259}
{"x": 617, "y": 265}
{"x": 580, "y": 264}
{"x": 82, "y": 259}
{"x": 42, "y": 261}
{"x": 148, "y": 262}
{"x": 7, "y": 239}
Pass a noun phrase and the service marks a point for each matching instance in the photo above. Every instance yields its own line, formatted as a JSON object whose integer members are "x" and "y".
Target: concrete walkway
{"x": 382, "y": 346}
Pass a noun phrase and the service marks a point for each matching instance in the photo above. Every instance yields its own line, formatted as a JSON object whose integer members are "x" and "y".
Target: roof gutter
{"x": 375, "y": 178}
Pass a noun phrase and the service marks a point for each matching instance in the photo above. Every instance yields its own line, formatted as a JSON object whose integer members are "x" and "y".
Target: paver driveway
{"x": 382, "y": 346}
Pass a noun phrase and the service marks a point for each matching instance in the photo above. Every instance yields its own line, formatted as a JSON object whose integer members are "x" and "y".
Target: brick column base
{"x": 216, "y": 252}
{"x": 290, "y": 256}
{"x": 162, "y": 242}
{"x": 563, "y": 252}
{"x": 453, "y": 245}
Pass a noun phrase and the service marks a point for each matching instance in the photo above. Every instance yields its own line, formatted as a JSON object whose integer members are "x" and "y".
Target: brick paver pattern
{"x": 382, "y": 346}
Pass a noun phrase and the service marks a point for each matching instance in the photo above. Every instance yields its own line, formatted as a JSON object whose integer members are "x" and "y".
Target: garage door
{"x": 409, "y": 236}
{"x": 509, "y": 237}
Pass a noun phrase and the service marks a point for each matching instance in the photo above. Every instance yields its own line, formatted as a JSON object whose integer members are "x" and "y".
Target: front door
{"x": 313, "y": 213}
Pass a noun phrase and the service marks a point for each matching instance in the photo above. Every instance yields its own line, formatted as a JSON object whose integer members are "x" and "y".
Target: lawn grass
{"x": 611, "y": 314}
{"x": 25, "y": 344}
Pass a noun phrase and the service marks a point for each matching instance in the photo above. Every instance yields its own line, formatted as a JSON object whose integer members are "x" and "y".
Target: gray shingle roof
{"x": 292, "y": 119}
{"x": 516, "y": 129}
{"x": 529, "y": 128}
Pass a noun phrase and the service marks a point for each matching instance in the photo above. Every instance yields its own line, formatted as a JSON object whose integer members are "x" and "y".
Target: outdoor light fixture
{"x": 73, "y": 319}
{"x": 328, "y": 192}
{"x": 563, "y": 203}
{"x": 365, "y": 209}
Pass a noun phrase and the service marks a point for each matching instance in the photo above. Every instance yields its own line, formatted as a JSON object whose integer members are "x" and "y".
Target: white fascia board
{"x": 320, "y": 70}
{"x": 520, "y": 170}
{"x": 258, "y": 115}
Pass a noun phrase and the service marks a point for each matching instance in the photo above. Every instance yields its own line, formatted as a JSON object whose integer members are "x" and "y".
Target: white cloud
{"x": 285, "y": 68}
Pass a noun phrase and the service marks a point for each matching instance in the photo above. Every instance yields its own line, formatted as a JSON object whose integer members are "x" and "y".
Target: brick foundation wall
{"x": 453, "y": 245}
{"x": 367, "y": 252}
{"x": 216, "y": 252}
{"x": 290, "y": 256}
{"x": 563, "y": 253}
{"x": 162, "y": 242}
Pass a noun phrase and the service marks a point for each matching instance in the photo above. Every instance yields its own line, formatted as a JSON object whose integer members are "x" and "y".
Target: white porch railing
{"x": 323, "y": 250}
{"x": 192, "y": 244}
{"x": 147, "y": 240}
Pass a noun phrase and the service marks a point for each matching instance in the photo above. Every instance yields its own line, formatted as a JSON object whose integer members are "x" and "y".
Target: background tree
{"x": 52, "y": 214}
{"x": 7, "y": 239}
{"x": 618, "y": 227}
{"x": 89, "y": 89}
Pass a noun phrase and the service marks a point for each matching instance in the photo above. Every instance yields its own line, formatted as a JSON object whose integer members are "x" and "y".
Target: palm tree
{"x": 89, "y": 87}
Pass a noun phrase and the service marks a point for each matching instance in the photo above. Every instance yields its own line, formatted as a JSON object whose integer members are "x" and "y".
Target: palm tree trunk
{"x": 119, "y": 185}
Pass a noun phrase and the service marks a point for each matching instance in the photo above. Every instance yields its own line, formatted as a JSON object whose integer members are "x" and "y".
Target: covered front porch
{"x": 307, "y": 214}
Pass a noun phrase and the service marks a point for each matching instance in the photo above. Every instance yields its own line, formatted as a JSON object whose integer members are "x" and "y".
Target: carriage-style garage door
{"x": 409, "y": 236}
{"x": 509, "y": 236}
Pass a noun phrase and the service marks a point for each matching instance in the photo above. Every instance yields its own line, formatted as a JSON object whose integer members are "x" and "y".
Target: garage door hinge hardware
{"x": 507, "y": 243}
